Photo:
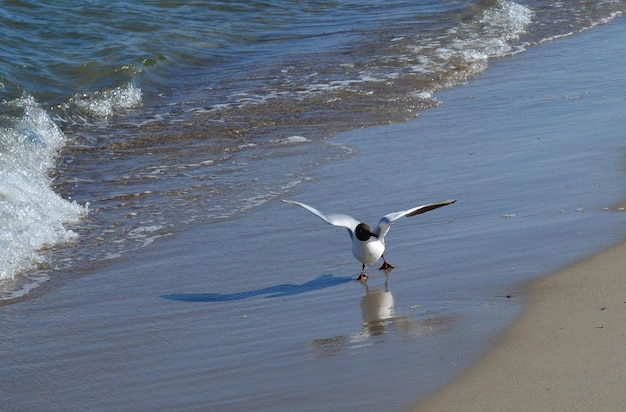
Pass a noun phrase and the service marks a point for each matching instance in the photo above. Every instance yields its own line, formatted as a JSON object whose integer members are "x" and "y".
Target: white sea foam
{"x": 290, "y": 140}
{"x": 603, "y": 20}
{"x": 145, "y": 235}
{"x": 296, "y": 139}
{"x": 466, "y": 46}
{"x": 492, "y": 36}
{"x": 32, "y": 215}
{"x": 104, "y": 104}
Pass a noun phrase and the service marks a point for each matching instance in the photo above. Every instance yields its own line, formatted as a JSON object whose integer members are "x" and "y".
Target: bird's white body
{"x": 369, "y": 251}
{"x": 368, "y": 245}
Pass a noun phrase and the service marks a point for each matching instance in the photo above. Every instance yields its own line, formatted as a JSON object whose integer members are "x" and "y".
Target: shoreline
{"x": 564, "y": 352}
{"x": 294, "y": 329}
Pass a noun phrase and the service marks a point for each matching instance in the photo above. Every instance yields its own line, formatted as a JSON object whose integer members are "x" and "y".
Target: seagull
{"x": 368, "y": 246}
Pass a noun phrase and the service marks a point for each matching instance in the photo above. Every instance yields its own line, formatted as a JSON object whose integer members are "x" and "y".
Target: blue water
{"x": 125, "y": 122}
{"x": 141, "y": 106}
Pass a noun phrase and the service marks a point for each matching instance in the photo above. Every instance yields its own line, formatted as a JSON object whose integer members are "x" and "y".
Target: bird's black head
{"x": 363, "y": 232}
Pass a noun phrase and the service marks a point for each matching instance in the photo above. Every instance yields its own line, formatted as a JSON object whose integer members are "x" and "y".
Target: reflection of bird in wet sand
{"x": 368, "y": 245}
{"x": 378, "y": 308}
{"x": 380, "y": 323}
{"x": 377, "y": 305}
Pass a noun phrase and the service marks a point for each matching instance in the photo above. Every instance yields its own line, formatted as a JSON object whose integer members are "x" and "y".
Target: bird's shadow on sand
{"x": 320, "y": 282}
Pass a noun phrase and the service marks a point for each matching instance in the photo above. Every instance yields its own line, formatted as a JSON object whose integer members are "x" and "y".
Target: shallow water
{"x": 167, "y": 116}
{"x": 258, "y": 311}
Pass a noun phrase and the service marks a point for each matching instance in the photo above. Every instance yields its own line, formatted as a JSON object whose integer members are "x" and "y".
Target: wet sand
{"x": 566, "y": 352}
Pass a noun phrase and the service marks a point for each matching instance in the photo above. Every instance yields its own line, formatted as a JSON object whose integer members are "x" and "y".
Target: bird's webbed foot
{"x": 386, "y": 266}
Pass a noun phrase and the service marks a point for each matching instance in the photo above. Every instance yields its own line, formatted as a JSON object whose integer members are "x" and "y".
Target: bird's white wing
{"x": 385, "y": 222}
{"x": 334, "y": 219}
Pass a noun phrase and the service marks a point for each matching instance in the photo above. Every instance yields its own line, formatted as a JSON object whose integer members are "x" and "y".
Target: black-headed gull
{"x": 368, "y": 246}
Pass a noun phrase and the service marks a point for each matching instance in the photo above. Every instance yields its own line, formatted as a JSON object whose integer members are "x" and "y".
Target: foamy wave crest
{"x": 32, "y": 215}
{"x": 491, "y": 36}
{"x": 430, "y": 60}
{"x": 105, "y": 104}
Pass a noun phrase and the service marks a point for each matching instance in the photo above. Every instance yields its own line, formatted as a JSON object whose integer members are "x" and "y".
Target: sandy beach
{"x": 566, "y": 352}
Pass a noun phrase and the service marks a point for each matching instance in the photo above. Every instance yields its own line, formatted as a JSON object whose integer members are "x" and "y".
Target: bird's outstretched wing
{"x": 334, "y": 219}
{"x": 385, "y": 222}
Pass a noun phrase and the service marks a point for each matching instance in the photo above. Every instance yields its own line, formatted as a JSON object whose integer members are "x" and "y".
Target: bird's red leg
{"x": 386, "y": 265}
{"x": 362, "y": 275}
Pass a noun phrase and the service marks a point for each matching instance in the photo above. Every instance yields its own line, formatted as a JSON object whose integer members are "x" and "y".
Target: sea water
{"x": 124, "y": 122}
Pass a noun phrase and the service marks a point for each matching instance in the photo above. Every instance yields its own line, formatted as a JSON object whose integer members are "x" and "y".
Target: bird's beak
{"x": 372, "y": 234}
